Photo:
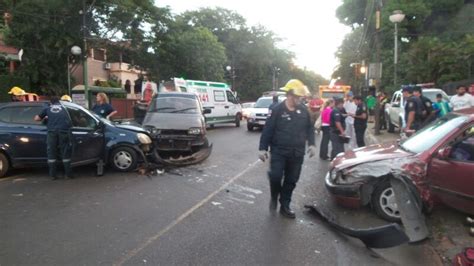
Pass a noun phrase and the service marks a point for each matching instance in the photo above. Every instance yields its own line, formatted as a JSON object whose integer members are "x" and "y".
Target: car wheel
{"x": 4, "y": 165}
{"x": 249, "y": 127}
{"x": 124, "y": 159}
{"x": 384, "y": 202}
{"x": 237, "y": 120}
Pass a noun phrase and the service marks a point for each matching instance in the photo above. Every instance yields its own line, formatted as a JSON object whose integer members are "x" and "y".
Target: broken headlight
{"x": 335, "y": 175}
{"x": 143, "y": 138}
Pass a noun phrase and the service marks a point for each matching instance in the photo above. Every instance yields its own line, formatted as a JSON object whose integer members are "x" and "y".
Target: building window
{"x": 99, "y": 54}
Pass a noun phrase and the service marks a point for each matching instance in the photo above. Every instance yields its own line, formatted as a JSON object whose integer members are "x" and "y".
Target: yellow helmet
{"x": 298, "y": 88}
{"x": 66, "y": 98}
{"x": 17, "y": 91}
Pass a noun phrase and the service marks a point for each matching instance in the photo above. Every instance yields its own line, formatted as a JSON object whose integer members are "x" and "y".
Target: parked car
{"x": 23, "y": 140}
{"x": 395, "y": 111}
{"x": 437, "y": 162}
{"x": 258, "y": 114}
{"x": 177, "y": 126}
{"x": 246, "y": 107}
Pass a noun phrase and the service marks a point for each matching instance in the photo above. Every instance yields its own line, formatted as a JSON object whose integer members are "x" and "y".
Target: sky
{"x": 310, "y": 27}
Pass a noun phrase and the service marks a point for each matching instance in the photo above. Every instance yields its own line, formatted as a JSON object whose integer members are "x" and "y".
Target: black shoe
{"x": 54, "y": 178}
{"x": 69, "y": 177}
{"x": 273, "y": 204}
{"x": 287, "y": 212}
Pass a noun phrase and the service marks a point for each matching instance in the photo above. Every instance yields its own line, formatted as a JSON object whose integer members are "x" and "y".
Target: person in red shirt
{"x": 314, "y": 108}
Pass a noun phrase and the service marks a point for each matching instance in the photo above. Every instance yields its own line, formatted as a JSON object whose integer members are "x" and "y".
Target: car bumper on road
{"x": 344, "y": 195}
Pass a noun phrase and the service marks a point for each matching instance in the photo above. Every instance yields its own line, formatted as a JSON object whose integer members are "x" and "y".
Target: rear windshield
{"x": 432, "y": 95}
{"x": 173, "y": 104}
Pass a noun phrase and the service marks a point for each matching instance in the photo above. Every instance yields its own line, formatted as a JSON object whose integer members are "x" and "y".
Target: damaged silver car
{"x": 177, "y": 125}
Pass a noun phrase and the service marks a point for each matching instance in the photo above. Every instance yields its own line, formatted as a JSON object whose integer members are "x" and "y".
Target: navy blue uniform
{"x": 360, "y": 124}
{"x": 337, "y": 115}
{"x": 414, "y": 104}
{"x": 427, "y": 109}
{"x": 286, "y": 133}
{"x": 59, "y": 141}
{"x": 103, "y": 110}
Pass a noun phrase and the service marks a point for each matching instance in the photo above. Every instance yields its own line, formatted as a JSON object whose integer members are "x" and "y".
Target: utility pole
{"x": 85, "y": 55}
{"x": 378, "y": 6}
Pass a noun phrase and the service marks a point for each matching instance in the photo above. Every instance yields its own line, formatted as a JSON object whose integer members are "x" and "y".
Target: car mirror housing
{"x": 444, "y": 153}
{"x": 206, "y": 111}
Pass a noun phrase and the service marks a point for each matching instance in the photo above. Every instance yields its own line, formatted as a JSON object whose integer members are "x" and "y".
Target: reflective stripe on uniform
{"x": 51, "y": 160}
{"x": 66, "y": 160}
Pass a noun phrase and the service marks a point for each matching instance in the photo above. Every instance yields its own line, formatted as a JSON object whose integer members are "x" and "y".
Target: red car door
{"x": 452, "y": 178}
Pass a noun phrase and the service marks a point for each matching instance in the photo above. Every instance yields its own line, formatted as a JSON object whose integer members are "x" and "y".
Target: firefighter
{"x": 17, "y": 94}
{"x": 286, "y": 133}
{"x": 59, "y": 141}
{"x": 66, "y": 98}
{"x": 413, "y": 111}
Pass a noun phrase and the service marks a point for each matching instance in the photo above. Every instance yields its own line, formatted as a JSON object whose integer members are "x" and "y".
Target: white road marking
{"x": 132, "y": 253}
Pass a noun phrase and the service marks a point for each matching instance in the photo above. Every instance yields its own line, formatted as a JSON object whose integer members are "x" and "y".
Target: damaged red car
{"x": 437, "y": 162}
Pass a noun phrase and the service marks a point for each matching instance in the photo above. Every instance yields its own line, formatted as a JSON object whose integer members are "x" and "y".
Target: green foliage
{"x": 435, "y": 41}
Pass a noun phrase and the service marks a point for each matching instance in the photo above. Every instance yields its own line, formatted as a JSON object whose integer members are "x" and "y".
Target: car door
{"x": 24, "y": 137}
{"x": 221, "y": 107}
{"x": 88, "y": 136}
{"x": 233, "y": 104}
{"x": 395, "y": 108}
{"x": 452, "y": 178}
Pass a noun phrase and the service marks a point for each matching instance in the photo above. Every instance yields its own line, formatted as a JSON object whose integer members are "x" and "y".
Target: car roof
{"x": 177, "y": 94}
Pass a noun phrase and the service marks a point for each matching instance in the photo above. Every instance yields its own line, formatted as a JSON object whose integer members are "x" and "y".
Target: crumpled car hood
{"x": 372, "y": 153}
{"x": 131, "y": 128}
{"x": 173, "y": 121}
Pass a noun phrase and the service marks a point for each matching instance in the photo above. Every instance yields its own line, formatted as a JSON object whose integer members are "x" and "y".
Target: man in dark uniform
{"x": 338, "y": 127}
{"x": 273, "y": 104}
{"x": 426, "y": 106}
{"x": 59, "y": 136}
{"x": 360, "y": 121}
{"x": 286, "y": 132}
{"x": 412, "y": 110}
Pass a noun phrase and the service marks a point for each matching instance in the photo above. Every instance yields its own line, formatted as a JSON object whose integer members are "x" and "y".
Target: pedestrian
{"x": 103, "y": 108}
{"x": 412, "y": 110}
{"x": 325, "y": 128}
{"x": 360, "y": 121}
{"x": 440, "y": 107}
{"x": 314, "y": 107}
{"x": 17, "y": 94}
{"x": 338, "y": 127}
{"x": 426, "y": 106}
{"x": 58, "y": 140}
{"x": 273, "y": 104}
{"x": 286, "y": 133}
{"x": 350, "y": 107}
{"x": 370, "y": 102}
{"x": 383, "y": 100}
{"x": 462, "y": 100}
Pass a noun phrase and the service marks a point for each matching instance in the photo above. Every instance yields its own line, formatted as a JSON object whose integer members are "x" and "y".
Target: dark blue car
{"x": 23, "y": 140}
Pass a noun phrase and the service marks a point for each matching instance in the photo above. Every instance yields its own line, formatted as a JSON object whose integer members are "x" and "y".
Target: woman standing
{"x": 103, "y": 107}
{"x": 325, "y": 127}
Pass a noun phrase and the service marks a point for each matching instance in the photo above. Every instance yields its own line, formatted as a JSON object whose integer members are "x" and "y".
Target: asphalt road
{"x": 207, "y": 214}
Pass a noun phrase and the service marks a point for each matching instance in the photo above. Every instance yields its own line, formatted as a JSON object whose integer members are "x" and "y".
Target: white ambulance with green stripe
{"x": 216, "y": 96}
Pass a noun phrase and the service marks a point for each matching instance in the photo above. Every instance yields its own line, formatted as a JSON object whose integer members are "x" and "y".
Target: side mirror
{"x": 100, "y": 126}
{"x": 444, "y": 153}
{"x": 206, "y": 111}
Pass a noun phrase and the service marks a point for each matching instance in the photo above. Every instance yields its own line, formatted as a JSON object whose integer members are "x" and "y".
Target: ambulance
{"x": 333, "y": 90}
{"x": 215, "y": 96}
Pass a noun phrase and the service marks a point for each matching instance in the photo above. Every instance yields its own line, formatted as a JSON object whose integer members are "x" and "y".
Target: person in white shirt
{"x": 351, "y": 109}
{"x": 462, "y": 100}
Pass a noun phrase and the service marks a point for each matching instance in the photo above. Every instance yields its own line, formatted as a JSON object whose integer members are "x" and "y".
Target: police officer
{"x": 338, "y": 127}
{"x": 286, "y": 132}
{"x": 360, "y": 121}
{"x": 59, "y": 142}
{"x": 412, "y": 110}
{"x": 426, "y": 106}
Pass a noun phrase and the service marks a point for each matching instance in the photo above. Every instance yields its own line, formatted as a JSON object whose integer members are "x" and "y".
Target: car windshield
{"x": 432, "y": 133}
{"x": 174, "y": 105}
{"x": 332, "y": 94}
{"x": 432, "y": 95}
{"x": 248, "y": 105}
{"x": 263, "y": 103}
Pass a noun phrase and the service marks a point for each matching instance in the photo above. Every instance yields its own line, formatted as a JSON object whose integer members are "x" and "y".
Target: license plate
{"x": 261, "y": 123}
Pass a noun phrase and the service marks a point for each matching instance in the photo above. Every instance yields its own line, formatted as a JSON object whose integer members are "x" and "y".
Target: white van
{"x": 216, "y": 96}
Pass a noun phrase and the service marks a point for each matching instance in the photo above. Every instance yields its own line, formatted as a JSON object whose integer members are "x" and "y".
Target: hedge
{"x": 9, "y": 81}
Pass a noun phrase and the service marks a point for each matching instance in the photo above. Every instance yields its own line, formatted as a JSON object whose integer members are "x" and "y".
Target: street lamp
{"x": 75, "y": 51}
{"x": 396, "y": 17}
{"x": 231, "y": 71}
